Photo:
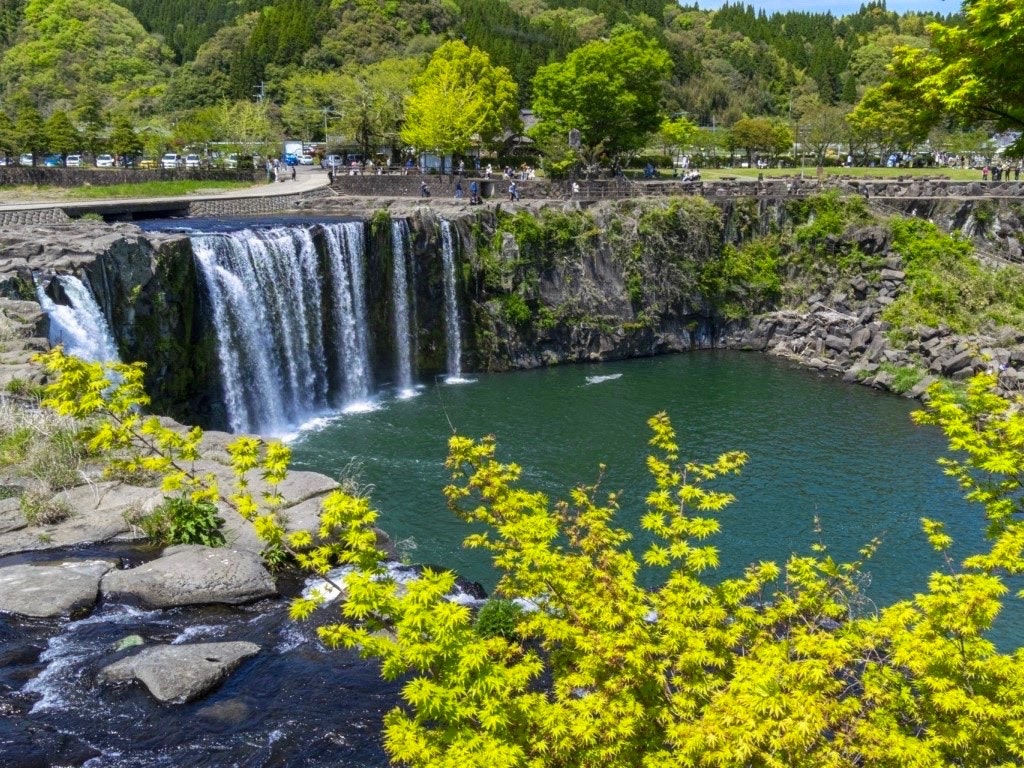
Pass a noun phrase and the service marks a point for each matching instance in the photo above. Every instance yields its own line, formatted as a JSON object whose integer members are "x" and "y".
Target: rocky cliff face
{"x": 544, "y": 284}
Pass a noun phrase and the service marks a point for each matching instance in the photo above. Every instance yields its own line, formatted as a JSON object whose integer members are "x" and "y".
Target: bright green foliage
{"x": 743, "y": 279}
{"x": 890, "y": 120}
{"x": 609, "y": 90}
{"x": 460, "y": 98}
{"x": 179, "y": 520}
{"x": 65, "y": 47}
{"x": 758, "y": 135}
{"x": 972, "y": 71}
{"x": 29, "y": 129}
{"x": 775, "y": 668}
{"x": 109, "y": 399}
{"x": 123, "y": 138}
{"x": 947, "y": 286}
{"x": 61, "y": 134}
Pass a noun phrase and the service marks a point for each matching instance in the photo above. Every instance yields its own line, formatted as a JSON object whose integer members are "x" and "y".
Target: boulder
{"x": 194, "y": 575}
{"x": 46, "y": 591}
{"x": 958, "y": 362}
{"x": 180, "y": 673}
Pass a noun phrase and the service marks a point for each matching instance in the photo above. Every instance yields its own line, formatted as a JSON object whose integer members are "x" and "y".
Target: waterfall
{"x": 345, "y": 251}
{"x": 400, "y": 308}
{"x": 264, "y": 287}
{"x": 453, "y": 335}
{"x": 81, "y": 327}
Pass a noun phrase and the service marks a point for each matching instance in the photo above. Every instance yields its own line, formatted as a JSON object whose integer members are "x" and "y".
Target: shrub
{"x": 179, "y": 520}
{"x": 498, "y": 618}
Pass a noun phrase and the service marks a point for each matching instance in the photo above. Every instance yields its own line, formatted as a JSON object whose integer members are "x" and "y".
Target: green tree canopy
{"x": 66, "y": 47}
{"x": 760, "y": 135}
{"x": 890, "y": 122}
{"x": 458, "y": 100}
{"x": 29, "y": 129}
{"x": 123, "y": 138}
{"x": 61, "y": 134}
{"x": 609, "y": 90}
{"x": 972, "y": 71}
{"x": 781, "y": 667}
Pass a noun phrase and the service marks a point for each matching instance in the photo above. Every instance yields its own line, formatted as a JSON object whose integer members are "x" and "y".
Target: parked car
{"x": 73, "y": 161}
{"x": 230, "y": 160}
{"x": 331, "y": 161}
{"x": 290, "y": 159}
{"x": 305, "y": 159}
{"x": 192, "y": 161}
{"x": 53, "y": 161}
{"x": 104, "y": 161}
{"x": 170, "y": 160}
{"x": 25, "y": 159}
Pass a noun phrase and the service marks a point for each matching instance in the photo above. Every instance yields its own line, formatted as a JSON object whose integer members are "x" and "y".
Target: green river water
{"x": 817, "y": 446}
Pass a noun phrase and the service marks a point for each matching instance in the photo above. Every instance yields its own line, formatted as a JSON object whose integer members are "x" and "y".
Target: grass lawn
{"x": 155, "y": 189}
{"x": 22, "y": 194}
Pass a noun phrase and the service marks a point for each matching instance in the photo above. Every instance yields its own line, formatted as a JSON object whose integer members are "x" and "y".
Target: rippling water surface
{"x": 817, "y": 446}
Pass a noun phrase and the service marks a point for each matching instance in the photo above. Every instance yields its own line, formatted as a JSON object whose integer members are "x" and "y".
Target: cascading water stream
{"x": 400, "y": 308}
{"x": 264, "y": 287}
{"x": 81, "y": 327}
{"x": 453, "y": 334}
{"x": 345, "y": 251}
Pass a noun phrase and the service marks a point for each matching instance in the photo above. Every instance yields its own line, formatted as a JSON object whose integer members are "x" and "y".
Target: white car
{"x": 192, "y": 161}
{"x": 25, "y": 159}
{"x": 305, "y": 159}
{"x": 73, "y": 161}
{"x": 104, "y": 161}
{"x": 170, "y": 160}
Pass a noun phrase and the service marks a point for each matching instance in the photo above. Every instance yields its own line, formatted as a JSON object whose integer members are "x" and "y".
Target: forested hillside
{"x": 343, "y": 68}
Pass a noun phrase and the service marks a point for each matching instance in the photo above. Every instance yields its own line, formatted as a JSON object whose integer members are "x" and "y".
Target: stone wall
{"x": 400, "y": 185}
{"x": 17, "y": 175}
{"x": 29, "y": 216}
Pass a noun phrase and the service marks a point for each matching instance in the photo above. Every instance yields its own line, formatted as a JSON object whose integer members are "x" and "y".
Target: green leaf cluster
{"x": 109, "y": 400}
{"x": 778, "y": 667}
{"x": 946, "y": 285}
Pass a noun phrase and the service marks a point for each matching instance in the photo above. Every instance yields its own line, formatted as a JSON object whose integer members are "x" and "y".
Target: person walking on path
{"x": 424, "y": 192}
{"x": 458, "y": 189}
{"x": 513, "y": 191}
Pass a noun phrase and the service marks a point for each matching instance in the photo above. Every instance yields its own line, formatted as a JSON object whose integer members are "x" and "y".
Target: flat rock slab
{"x": 180, "y": 673}
{"x": 194, "y": 575}
{"x": 97, "y": 514}
{"x": 46, "y": 591}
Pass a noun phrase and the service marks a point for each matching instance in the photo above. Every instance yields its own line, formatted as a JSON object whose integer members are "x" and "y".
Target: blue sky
{"x": 838, "y": 7}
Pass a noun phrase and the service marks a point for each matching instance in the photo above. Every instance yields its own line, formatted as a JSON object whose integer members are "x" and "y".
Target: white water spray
{"x": 81, "y": 327}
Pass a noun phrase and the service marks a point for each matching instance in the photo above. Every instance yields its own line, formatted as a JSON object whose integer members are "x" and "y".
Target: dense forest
{"x": 169, "y": 65}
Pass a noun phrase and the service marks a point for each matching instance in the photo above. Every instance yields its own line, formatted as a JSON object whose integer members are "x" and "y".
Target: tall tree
{"x": 61, "y": 134}
{"x": 8, "y": 142}
{"x": 760, "y": 135}
{"x": 889, "y": 122}
{"x": 93, "y": 123}
{"x": 459, "y": 99}
{"x": 124, "y": 140}
{"x": 608, "y": 90}
{"x": 29, "y": 129}
{"x": 972, "y": 71}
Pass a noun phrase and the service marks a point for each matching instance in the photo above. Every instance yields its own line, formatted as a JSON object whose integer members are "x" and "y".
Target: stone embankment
{"x": 842, "y": 331}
